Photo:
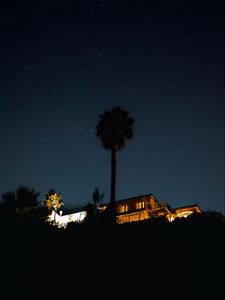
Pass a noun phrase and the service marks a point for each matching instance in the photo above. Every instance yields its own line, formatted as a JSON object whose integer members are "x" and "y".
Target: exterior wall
{"x": 136, "y": 209}
{"x": 186, "y": 211}
{"x": 63, "y": 220}
{"x": 146, "y": 207}
{"x": 133, "y": 217}
{"x": 136, "y": 203}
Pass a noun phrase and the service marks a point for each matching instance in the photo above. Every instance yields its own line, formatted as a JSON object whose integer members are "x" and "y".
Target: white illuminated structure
{"x": 62, "y": 221}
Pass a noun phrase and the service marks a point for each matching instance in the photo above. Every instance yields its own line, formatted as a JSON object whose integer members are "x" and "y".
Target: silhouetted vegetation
{"x": 114, "y": 129}
{"x": 181, "y": 253}
{"x": 153, "y": 253}
{"x": 24, "y": 198}
{"x": 97, "y": 197}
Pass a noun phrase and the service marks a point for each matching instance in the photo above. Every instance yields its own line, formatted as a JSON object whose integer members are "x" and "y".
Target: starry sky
{"x": 63, "y": 63}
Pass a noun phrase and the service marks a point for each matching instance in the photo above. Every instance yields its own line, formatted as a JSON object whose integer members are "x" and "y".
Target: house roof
{"x": 188, "y": 206}
{"x": 137, "y": 197}
{"x": 68, "y": 210}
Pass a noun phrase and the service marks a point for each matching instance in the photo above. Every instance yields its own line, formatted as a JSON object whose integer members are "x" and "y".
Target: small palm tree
{"x": 97, "y": 197}
{"x": 53, "y": 200}
{"x": 114, "y": 129}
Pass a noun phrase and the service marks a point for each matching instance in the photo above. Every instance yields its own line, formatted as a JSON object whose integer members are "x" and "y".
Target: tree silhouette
{"x": 97, "y": 197}
{"x": 53, "y": 200}
{"x": 92, "y": 208}
{"x": 24, "y": 198}
{"x": 9, "y": 200}
{"x": 114, "y": 129}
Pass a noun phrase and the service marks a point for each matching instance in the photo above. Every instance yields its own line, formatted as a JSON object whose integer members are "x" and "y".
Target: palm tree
{"x": 53, "y": 200}
{"x": 114, "y": 129}
{"x": 97, "y": 197}
{"x": 24, "y": 198}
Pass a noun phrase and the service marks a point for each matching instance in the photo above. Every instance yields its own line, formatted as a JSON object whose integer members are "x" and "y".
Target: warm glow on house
{"x": 133, "y": 209}
{"x": 147, "y": 206}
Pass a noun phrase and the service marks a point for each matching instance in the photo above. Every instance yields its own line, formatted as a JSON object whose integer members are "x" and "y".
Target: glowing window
{"x": 123, "y": 208}
{"x": 140, "y": 205}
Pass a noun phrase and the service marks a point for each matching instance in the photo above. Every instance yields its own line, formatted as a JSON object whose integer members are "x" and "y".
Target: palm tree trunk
{"x": 113, "y": 184}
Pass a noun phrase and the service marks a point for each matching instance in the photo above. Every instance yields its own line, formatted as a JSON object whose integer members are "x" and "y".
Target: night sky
{"x": 63, "y": 63}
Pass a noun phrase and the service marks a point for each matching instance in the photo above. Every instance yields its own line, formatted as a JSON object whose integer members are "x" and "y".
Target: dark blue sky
{"x": 62, "y": 63}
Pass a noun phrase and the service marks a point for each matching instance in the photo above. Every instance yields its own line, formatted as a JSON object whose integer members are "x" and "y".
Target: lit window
{"x": 140, "y": 205}
{"x": 123, "y": 208}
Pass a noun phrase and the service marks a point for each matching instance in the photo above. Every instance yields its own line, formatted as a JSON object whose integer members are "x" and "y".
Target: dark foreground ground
{"x": 153, "y": 260}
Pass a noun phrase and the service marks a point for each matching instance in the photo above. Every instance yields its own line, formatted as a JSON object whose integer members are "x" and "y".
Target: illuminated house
{"x": 145, "y": 207}
{"x": 61, "y": 220}
{"x": 133, "y": 209}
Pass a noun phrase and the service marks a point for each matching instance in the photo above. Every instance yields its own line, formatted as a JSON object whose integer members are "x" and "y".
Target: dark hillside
{"x": 186, "y": 255}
